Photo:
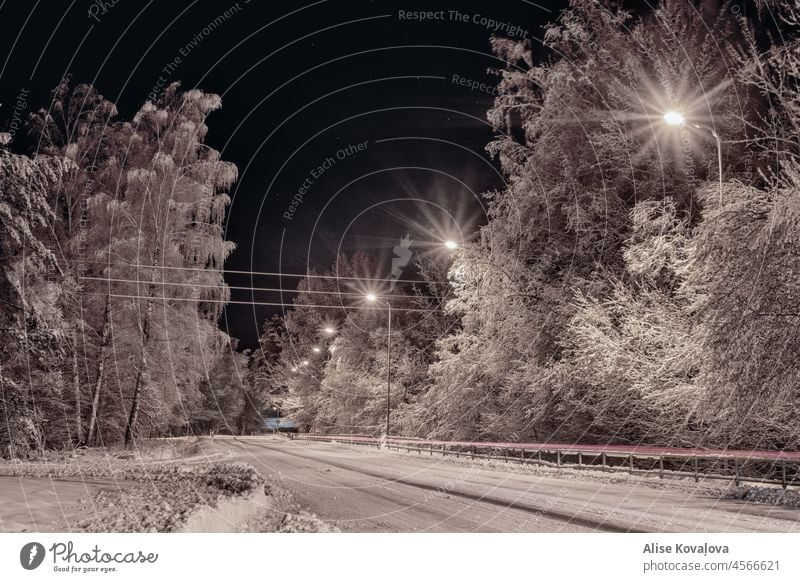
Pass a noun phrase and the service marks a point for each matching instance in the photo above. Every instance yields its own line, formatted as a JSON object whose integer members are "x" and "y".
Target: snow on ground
{"x": 615, "y": 476}
{"x": 157, "y": 487}
{"x": 766, "y": 495}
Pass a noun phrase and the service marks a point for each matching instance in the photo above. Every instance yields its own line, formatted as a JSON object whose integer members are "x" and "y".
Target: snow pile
{"x": 167, "y": 498}
{"x": 766, "y": 495}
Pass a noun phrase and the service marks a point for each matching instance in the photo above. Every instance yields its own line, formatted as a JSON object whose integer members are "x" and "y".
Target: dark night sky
{"x": 300, "y": 82}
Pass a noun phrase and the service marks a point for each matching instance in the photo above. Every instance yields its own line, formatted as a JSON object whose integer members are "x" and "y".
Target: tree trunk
{"x": 76, "y": 381}
{"x": 242, "y": 421}
{"x": 141, "y": 375}
{"x": 134, "y": 413}
{"x": 98, "y": 385}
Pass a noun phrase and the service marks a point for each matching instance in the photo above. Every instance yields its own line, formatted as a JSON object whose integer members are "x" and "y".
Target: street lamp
{"x": 677, "y": 119}
{"x": 372, "y": 298}
{"x": 674, "y": 118}
{"x": 329, "y": 330}
{"x": 451, "y": 244}
{"x": 315, "y": 349}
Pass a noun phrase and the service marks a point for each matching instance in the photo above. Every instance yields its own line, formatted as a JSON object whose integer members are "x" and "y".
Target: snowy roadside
{"x": 162, "y": 486}
{"x": 687, "y": 484}
{"x": 762, "y": 494}
{"x": 118, "y": 464}
{"x": 766, "y": 496}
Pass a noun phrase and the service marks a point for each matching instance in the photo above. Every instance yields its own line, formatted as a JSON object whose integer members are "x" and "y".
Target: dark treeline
{"x": 616, "y": 294}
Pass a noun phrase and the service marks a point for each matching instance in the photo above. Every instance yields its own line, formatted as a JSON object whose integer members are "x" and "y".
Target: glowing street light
{"x": 372, "y": 298}
{"x": 315, "y": 349}
{"x": 329, "y": 330}
{"x": 304, "y": 363}
{"x": 676, "y": 118}
{"x": 451, "y": 244}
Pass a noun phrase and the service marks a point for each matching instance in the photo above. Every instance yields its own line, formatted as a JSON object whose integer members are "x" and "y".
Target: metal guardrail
{"x": 773, "y": 467}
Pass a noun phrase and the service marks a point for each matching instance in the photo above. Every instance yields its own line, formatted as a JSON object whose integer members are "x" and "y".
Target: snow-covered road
{"x": 362, "y": 489}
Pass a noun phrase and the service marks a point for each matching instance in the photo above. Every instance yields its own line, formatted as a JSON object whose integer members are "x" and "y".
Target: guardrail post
{"x": 717, "y": 466}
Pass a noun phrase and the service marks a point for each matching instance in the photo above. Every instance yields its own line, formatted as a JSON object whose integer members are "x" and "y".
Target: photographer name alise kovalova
{"x": 704, "y": 549}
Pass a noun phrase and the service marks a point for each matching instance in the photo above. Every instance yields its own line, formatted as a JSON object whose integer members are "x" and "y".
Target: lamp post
{"x": 372, "y": 298}
{"x": 676, "y": 118}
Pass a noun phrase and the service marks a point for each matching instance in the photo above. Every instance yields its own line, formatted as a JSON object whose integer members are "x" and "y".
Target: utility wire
{"x": 272, "y": 304}
{"x": 241, "y": 288}
{"x": 260, "y": 273}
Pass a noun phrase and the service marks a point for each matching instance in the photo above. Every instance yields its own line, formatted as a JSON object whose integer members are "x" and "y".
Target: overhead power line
{"x": 246, "y": 288}
{"x": 259, "y": 273}
{"x": 271, "y": 304}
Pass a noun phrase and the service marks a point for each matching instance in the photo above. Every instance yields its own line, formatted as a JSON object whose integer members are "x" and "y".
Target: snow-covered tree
{"x": 33, "y": 292}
